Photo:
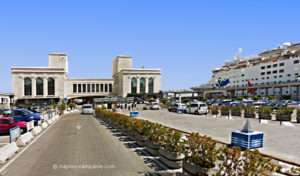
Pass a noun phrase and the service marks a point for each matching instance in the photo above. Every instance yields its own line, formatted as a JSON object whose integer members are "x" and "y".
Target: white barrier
{"x": 8, "y": 151}
{"x": 44, "y": 125}
{"x": 36, "y": 130}
{"x": 24, "y": 139}
{"x": 50, "y": 121}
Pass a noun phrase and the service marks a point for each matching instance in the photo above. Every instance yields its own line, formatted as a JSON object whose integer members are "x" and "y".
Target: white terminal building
{"x": 48, "y": 85}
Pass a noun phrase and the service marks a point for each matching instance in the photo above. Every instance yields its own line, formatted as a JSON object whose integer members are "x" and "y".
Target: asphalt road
{"x": 78, "y": 145}
{"x": 280, "y": 141}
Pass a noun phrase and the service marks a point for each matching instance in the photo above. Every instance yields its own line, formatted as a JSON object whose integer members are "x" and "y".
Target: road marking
{"x": 24, "y": 149}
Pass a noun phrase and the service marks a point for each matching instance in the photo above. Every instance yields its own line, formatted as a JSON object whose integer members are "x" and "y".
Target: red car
{"x": 6, "y": 123}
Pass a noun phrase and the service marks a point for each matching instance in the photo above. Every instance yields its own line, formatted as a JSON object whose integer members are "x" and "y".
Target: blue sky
{"x": 186, "y": 39}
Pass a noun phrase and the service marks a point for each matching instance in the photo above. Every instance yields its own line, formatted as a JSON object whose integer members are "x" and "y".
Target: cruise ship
{"x": 273, "y": 72}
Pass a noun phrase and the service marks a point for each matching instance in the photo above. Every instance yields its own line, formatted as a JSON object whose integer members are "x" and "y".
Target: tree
{"x": 185, "y": 100}
{"x": 204, "y": 99}
{"x": 151, "y": 100}
{"x": 240, "y": 98}
{"x": 255, "y": 98}
{"x": 164, "y": 100}
{"x": 222, "y": 98}
{"x": 271, "y": 98}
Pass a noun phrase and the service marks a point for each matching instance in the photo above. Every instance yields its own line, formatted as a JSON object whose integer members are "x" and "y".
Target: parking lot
{"x": 280, "y": 141}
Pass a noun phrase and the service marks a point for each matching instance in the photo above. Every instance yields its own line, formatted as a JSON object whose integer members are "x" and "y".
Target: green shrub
{"x": 171, "y": 140}
{"x": 236, "y": 163}
{"x": 265, "y": 109}
{"x": 204, "y": 99}
{"x": 236, "y": 108}
{"x": 285, "y": 110}
{"x": 255, "y": 98}
{"x": 225, "y": 108}
{"x": 63, "y": 107}
{"x": 240, "y": 98}
{"x": 271, "y": 98}
{"x": 201, "y": 150}
{"x": 214, "y": 107}
{"x": 250, "y": 109}
{"x": 222, "y": 98}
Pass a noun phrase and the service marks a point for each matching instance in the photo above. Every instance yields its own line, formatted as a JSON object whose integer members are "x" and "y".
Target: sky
{"x": 184, "y": 38}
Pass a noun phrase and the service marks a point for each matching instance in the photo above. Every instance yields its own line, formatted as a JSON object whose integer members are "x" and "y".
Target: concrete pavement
{"x": 279, "y": 141}
{"x": 78, "y": 145}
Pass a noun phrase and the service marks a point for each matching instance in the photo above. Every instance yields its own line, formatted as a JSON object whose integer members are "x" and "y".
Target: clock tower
{"x": 58, "y": 60}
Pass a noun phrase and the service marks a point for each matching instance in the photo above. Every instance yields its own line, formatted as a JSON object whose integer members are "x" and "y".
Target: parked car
{"x": 154, "y": 106}
{"x": 36, "y": 110}
{"x": 6, "y": 112}
{"x": 294, "y": 104}
{"x": 87, "y": 109}
{"x": 257, "y": 104}
{"x": 196, "y": 108}
{"x": 6, "y": 123}
{"x": 26, "y": 116}
{"x": 175, "y": 107}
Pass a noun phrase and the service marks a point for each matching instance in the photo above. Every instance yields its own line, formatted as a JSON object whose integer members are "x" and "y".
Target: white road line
{"x": 24, "y": 149}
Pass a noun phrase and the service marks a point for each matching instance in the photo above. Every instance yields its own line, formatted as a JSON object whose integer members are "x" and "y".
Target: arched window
{"x": 39, "y": 86}
{"x": 27, "y": 86}
{"x": 142, "y": 85}
{"x": 51, "y": 86}
{"x": 150, "y": 85}
{"x": 133, "y": 85}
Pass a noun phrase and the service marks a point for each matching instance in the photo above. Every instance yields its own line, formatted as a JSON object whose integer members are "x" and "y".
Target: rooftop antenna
{"x": 238, "y": 56}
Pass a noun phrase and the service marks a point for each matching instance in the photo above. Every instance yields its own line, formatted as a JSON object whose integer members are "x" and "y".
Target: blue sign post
{"x": 134, "y": 114}
{"x": 246, "y": 138}
{"x": 14, "y": 133}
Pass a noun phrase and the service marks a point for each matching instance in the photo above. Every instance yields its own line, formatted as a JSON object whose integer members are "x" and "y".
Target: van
{"x": 196, "y": 108}
{"x": 154, "y": 106}
{"x": 87, "y": 109}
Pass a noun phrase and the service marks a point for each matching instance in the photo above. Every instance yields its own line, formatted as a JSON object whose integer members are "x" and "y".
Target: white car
{"x": 154, "y": 106}
{"x": 87, "y": 109}
{"x": 196, "y": 108}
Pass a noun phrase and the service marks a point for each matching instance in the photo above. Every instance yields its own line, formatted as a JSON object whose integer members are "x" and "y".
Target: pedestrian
{"x": 125, "y": 106}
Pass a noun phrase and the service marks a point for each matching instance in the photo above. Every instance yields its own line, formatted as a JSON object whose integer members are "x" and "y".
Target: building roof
{"x": 37, "y": 69}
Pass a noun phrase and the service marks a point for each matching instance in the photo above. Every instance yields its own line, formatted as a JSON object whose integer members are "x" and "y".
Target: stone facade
{"x": 47, "y": 85}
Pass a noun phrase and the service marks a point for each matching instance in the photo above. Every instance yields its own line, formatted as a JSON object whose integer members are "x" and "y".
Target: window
{"x": 27, "y": 86}
{"x": 106, "y": 88}
{"x": 275, "y": 71}
{"x": 93, "y": 87}
{"x": 142, "y": 85}
{"x": 74, "y": 88}
{"x": 39, "y": 86}
{"x": 252, "y": 79}
{"x": 83, "y": 88}
{"x": 263, "y": 78}
{"x": 281, "y": 64}
{"x": 268, "y": 77}
{"x": 256, "y": 78}
{"x": 280, "y": 76}
{"x": 133, "y": 85}
{"x": 97, "y": 88}
{"x": 275, "y": 76}
{"x": 150, "y": 85}
{"x": 269, "y": 66}
{"x": 268, "y": 72}
{"x": 296, "y": 74}
{"x": 274, "y": 65}
{"x": 101, "y": 87}
{"x": 262, "y": 73}
{"x": 110, "y": 87}
{"x": 296, "y": 61}
{"x": 242, "y": 75}
{"x": 88, "y": 88}
{"x": 51, "y": 86}
{"x": 288, "y": 74}
{"x": 281, "y": 71}
{"x": 79, "y": 88}
{"x": 263, "y": 67}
